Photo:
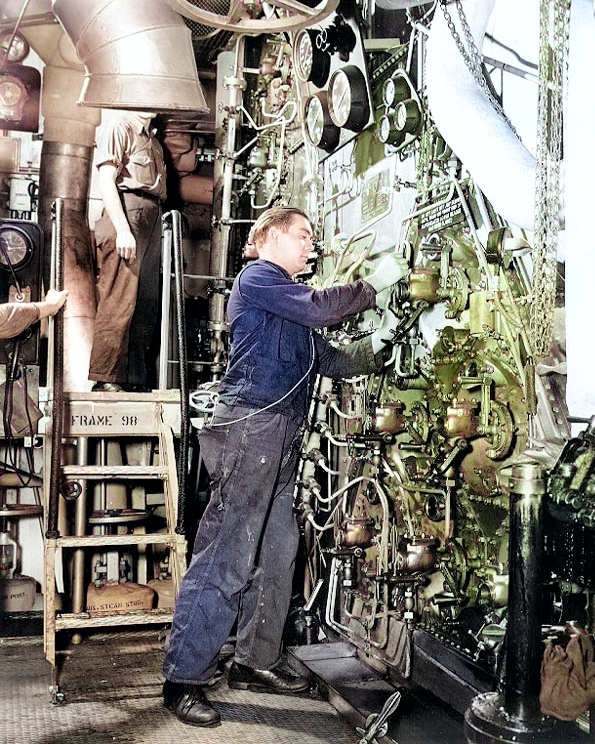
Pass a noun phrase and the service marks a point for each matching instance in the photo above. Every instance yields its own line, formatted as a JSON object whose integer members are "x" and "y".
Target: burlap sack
{"x": 568, "y": 678}
{"x": 118, "y": 599}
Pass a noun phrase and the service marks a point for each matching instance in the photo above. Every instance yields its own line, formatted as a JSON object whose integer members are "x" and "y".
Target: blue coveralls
{"x": 245, "y": 548}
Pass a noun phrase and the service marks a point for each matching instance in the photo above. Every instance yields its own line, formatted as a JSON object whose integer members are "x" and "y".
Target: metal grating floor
{"x": 112, "y": 683}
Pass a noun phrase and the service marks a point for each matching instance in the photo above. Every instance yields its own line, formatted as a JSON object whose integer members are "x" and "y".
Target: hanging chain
{"x": 553, "y": 60}
{"x": 471, "y": 55}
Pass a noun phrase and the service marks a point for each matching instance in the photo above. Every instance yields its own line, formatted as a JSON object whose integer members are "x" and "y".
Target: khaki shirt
{"x": 136, "y": 153}
{"x": 15, "y": 317}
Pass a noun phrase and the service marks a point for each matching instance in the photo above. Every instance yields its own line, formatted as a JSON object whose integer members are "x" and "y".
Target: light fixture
{"x": 20, "y": 88}
{"x": 13, "y": 46}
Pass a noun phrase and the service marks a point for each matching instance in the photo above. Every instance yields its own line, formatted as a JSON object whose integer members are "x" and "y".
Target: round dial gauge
{"x": 11, "y": 93}
{"x": 386, "y": 132}
{"x": 383, "y": 129}
{"x": 320, "y": 129}
{"x": 311, "y": 63}
{"x": 388, "y": 92}
{"x": 395, "y": 89}
{"x": 15, "y": 248}
{"x": 348, "y": 98}
{"x": 407, "y": 116}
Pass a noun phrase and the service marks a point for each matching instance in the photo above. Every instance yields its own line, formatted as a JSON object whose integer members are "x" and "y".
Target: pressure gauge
{"x": 407, "y": 116}
{"x": 388, "y": 92}
{"x": 10, "y": 92}
{"x": 311, "y": 64}
{"x": 13, "y": 96}
{"x": 383, "y": 129}
{"x": 320, "y": 129}
{"x": 395, "y": 89}
{"x": 348, "y": 98}
{"x": 16, "y": 248}
{"x": 386, "y": 132}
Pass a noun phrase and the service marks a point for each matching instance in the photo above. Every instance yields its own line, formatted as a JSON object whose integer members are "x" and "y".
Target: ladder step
{"x": 115, "y": 415}
{"x": 82, "y": 541}
{"x": 115, "y": 471}
{"x": 85, "y": 620}
{"x": 171, "y": 395}
{"x": 156, "y": 417}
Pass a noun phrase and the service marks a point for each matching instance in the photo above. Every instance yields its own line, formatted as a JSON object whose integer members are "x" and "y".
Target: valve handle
{"x": 377, "y": 723}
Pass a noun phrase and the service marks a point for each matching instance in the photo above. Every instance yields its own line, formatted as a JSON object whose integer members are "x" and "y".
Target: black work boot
{"x": 276, "y": 680}
{"x": 189, "y": 704}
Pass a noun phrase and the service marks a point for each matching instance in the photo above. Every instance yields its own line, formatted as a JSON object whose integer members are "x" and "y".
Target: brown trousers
{"x": 128, "y": 297}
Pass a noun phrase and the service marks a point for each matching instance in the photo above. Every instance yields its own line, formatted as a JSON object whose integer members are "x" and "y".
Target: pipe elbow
{"x": 137, "y": 54}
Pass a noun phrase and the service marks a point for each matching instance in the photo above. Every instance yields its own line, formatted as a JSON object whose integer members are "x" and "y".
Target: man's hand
{"x": 126, "y": 245}
{"x": 125, "y": 242}
{"x": 389, "y": 271}
{"x": 54, "y": 300}
{"x": 386, "y": 332}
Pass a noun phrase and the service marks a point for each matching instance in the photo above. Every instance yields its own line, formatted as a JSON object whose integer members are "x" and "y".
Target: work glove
{"x": 385, "y": 334}
{"x": 388, "y": 272}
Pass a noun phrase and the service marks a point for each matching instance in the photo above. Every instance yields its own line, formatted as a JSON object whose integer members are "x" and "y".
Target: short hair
{"x": 281, "y": 217}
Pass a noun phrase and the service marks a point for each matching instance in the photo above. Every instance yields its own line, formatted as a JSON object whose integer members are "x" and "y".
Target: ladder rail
{"x": 124, "y": 472}
{"x": 56, "y": 374}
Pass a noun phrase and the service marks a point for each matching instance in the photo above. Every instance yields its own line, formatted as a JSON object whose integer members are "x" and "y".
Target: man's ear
{"x": 274, "y": 235}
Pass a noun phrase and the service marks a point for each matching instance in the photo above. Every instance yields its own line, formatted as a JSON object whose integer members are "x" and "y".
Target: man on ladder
{"x": 133, "y": 186}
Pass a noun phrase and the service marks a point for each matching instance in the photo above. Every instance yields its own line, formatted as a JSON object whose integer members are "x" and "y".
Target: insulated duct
{"x": 579, "y": 196}
{"x": 137, "y": 54}
{"x": 64, "y": 172}
{"x": 484, "y": 141}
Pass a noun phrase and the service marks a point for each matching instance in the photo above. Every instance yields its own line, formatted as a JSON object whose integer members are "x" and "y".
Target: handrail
{"x": 55, "y": 374}
{"x": 172, "y": 245}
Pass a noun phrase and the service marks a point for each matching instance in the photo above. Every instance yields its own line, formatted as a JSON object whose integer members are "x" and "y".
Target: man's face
{"x": 290, "y": 249}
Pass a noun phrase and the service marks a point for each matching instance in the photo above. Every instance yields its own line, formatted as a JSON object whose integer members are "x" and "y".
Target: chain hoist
{"x": 553, "y": 60}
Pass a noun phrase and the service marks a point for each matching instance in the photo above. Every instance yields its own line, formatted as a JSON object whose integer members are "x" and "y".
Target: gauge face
{"x": 407, "y": 116}
{"x": 386, "y": 132}
{"x": 388, "y": 91}
{"x": 303, "y": 57}
{"x": 383, "y": 129}
{"x": 320, "y": 129}
{"x": 11, "y": 94}
{"x": 314, "y": 120}
{"x": 15, "y": 248}
{"x": 311, "y": 63}
{"x": 348, "y": 98}
{"x": 340, "y": 91}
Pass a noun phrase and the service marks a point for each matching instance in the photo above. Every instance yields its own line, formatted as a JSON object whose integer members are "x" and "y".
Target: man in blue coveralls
{"x": 245, "y": 549}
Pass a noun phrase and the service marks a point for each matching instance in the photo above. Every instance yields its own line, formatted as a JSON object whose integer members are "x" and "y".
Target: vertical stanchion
{"x": 56, "y": 376}
{"x": 513, "y": 716}
{"x": 166, "y": 244}
{"x": 173, "y": 230}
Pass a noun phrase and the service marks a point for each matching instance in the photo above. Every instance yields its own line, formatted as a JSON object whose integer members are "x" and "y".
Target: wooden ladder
{"x": 108, "y": 416}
